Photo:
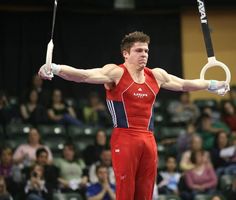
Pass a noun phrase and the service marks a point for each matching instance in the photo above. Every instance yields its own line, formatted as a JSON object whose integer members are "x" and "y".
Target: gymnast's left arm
{"x": 175, "y": 83}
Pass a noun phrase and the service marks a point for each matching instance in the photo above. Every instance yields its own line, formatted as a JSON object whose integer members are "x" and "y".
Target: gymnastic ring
{"x": 212, "y": 62}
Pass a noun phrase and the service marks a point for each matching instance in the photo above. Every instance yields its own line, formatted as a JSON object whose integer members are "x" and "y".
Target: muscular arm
{"x": 174, "y": 83}
{"x": 107, "y": 74}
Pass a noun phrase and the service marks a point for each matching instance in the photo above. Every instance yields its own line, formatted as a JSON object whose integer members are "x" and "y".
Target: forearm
{"x": 70, "y": 73}
{"x": 196, "y": 84}
{"x": 111, "y": 194}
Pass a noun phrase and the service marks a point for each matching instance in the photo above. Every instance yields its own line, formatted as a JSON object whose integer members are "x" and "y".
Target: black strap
{"x": 54, "y": 17}
{"x": 205, "y": 28}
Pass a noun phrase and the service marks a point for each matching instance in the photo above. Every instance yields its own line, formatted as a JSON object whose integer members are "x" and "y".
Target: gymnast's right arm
{"x": 106, "y": 74}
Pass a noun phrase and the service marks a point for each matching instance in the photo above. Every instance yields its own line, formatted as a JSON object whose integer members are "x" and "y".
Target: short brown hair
{"x": 193, "y": 157}
{"x": 128, "y": 41}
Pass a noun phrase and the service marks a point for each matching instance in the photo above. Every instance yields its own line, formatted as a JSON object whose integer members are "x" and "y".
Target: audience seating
{"x": 17, "y": 128}
{"x": 168, "y": 197}
{"x": 51, "y": 129}
{"x": 171, "y": 132}
{"x": 67, "y": 196}
{"x": 201, "y": 103}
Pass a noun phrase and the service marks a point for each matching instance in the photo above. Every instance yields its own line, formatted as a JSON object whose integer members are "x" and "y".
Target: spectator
{"x": 232, "y": 95}
{"x": 171, "y": 177}
{"x": 71, "y": 170}
{"x": 224, "y": 163}
{"x": 103, "y": 189}
{"x": 92, "y": 153}
{"x": 4, "y": 195}
{"x": 184, "y": 110}
{"x": 105, "y": 159}
{"x": 51, "y": 172}
{"x": 24, "y": 155}
{"x": 96, "y": 112}
{"x": 43, "y": 93}
{"x": 35, "y": 188}
{"x": 229, "y": 115}
{"x": 201, "y": 179}
{"x": 60, "y": 113}
{"x": 184, "y": 140}
{"x": 213, "y": 113}
{"x": 216, "y": 197}
{"x": 31, "y": 111}
{"x": 220, "y": 143}
{"x": 5, "y": 110}
{"x": 231, "y": 192}
{"x": 11, "y": 173}
{"x": 207, "y": 129}
{"x": 196, "y": 145}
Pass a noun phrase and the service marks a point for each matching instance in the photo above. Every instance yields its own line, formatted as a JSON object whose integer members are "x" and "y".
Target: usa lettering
{"x": 202, "y": 11}
{"x": 140, "y": 95}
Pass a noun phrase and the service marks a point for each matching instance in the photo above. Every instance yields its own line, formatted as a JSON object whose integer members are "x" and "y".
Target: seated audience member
{"x": 201, "y": 179}
{"x": 103, "y": 189}
{"x": 36, "y": 188}
{"x": 229, "y": 115}
{"x": 4, "y": 194}
{"x": 183, "y": 110}
{"x": 159, "y": 179}
{"x": 95, "y": 113}
{"x": 196, "y": 145}
{"x": 37, "y": 85}
{"x": 232, "y": 95}
{"x": 231, "y": 191}
{"x": 169, "y": 184}
{"x": 31, "y": 111}
{"x": 24, "y": 155}
{"x": 92, "y": 153}
{"x": 216, "y": 197}
{"x": 51, "y": 172}
{"x": 11, "y": 173}
{"x": 105, "y": 159}
{"x": 71, "y": 168}
{"x": 224, "y": 164}
{"x": 184, "y": 140}
{"x": 6, "y": 113}
{"x": 208, "y": 130}
{"x": 60, "y": 113}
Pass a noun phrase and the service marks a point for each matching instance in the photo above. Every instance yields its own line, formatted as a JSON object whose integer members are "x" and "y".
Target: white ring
{"x": 212, "y": 62}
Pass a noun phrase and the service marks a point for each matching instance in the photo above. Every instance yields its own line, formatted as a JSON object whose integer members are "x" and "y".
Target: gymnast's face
{"x": 137, "y": 55}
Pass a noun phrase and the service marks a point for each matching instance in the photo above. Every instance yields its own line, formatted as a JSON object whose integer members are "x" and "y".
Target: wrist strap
{"x": 55, "y": 68}
{"x": 212, "y": 85}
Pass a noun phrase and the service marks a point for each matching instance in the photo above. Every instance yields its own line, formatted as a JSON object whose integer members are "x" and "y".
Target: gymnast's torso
{"x": 131, "y": 103}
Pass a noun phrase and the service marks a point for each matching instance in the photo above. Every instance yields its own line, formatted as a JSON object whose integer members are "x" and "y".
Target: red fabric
{"x": 138, "y": 99}
{"x": 134, "y": 159}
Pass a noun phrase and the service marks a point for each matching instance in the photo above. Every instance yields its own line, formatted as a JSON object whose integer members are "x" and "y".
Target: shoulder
{"x": 161, "y": 75}
{"x": 112, "y": 69}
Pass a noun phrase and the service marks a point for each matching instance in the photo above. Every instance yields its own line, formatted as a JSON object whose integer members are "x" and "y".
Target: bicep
{"x": 173, "y": 83}
{"x": 168, "y": 81}
{"x": 97, "y": 76}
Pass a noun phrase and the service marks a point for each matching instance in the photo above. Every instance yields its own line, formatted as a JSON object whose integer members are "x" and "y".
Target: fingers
{"x": 44, "y": 73}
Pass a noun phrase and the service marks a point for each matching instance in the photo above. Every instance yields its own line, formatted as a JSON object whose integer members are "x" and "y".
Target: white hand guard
{"x": 45, "y": 72}
{"x": 218, "y": 87}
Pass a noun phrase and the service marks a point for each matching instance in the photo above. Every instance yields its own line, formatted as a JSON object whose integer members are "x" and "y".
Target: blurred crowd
{"x": 196, "y": 145}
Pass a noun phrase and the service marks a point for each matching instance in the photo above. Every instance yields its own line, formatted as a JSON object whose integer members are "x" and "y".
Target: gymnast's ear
{"x": 125, "y": 53}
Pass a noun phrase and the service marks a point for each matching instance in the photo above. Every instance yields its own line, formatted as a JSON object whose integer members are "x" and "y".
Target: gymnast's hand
{"x": 45, "y": 72}
{"x": 218, "y": 87}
